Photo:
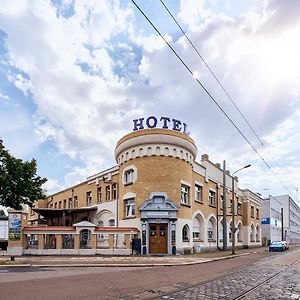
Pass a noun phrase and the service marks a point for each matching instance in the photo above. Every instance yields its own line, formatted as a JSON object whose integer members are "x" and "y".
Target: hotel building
{"x": 168, "y": 202}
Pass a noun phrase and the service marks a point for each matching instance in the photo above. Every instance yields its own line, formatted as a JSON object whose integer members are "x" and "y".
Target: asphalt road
{"x": 132, "y": 283}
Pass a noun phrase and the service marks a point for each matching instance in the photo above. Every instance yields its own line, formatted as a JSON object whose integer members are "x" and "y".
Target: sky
{"x": 74, "y": 74}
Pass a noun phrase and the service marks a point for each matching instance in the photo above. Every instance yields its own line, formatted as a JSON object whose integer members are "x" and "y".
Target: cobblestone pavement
{"x": 284, "y": 286}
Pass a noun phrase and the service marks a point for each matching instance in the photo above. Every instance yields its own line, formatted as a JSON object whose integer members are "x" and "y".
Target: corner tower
{"x": 154, "y": 165}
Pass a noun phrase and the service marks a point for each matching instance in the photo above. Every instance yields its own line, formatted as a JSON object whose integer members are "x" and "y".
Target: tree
{"x": 19, "y": 183}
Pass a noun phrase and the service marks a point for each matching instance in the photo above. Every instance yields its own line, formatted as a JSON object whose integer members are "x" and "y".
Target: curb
{"x": 135, "y": 265}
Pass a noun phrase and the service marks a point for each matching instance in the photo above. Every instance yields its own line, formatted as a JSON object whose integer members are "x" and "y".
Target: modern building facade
{"x": 291, "y": 219}
{"x": 271, "y": 221}
{"x": 280, "y": 219}
{"x": 173, "y": 202}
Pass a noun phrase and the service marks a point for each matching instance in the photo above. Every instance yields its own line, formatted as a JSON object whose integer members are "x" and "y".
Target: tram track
{"x": 242, "y": 294}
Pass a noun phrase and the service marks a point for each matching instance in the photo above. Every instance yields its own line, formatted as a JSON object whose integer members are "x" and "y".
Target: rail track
{"x": 242, "y": 294}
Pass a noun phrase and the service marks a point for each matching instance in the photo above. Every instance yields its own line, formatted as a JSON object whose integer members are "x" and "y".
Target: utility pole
{"x": 233, "y": 228}
{"x": 282, "y": 236}
{"x": 224, "y": 208}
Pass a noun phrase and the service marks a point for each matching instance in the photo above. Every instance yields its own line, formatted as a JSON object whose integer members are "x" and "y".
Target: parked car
{"x": 286, "y": 245}
{"x": 277, "y": 246}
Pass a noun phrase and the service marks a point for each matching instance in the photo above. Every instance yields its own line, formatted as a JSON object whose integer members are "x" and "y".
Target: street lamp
{"x": 233, "y": 229}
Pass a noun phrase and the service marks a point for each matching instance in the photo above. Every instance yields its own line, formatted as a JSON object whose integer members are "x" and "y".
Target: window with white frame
{"x": 107, "y": 193}
{"x": 198, "y": 193}
{"x": 128, "y": 176}
{"x": 99, "y": 195}
{"x": 88, "y": 198}
{"x": 230, "y": 205}
{"x": 114, "y": 191}
{"x": 196, "y": 229}
{"x": 185, "y": 233}
{"x": 212, "y": 198}
{"x": 70, "y": 203}
{"x": 239, "y": 208}
{"x": 185, "y": 194}
{"x": 129, "y": 208}
{"x": 222, "y": 201}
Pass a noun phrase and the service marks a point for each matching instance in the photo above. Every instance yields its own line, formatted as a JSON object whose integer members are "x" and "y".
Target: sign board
{"x": 265, "y": 221}
{"x": 162, "y": 122}
{"x": 14, "y": 226}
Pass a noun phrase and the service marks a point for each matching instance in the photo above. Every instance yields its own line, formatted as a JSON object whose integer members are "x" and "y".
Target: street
{"x": 224, "y": 279}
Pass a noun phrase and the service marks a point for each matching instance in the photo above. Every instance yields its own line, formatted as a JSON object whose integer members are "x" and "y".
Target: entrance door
{"x": 158, "y": 238}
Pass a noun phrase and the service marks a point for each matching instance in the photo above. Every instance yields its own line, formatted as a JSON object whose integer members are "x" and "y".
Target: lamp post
{"x": 233, "y": 229}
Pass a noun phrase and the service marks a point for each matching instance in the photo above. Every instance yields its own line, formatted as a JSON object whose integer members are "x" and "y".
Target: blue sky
{"x": 74, "y": 74}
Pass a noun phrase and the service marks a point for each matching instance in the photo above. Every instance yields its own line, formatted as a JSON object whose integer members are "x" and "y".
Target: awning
{"x": 59, "y": 212}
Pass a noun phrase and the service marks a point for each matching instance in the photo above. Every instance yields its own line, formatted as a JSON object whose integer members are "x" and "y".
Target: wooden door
{"x": 158, "y": 238}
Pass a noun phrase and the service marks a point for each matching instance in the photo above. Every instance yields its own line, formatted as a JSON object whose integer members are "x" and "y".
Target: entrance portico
{"x": 158, "y": 217}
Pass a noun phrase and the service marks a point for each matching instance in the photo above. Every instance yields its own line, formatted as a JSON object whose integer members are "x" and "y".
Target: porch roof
{"x": 58, "y": 212}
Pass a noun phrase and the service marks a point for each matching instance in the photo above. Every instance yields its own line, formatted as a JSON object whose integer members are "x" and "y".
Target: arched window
{"x": 211, "y": 229}
{"x": 240, "y": 233}
{"x": 257, "y": 234}
{"x": 185, "y": 233}
{"x": 100, "y": 223}
{"x": 221, "y": 231}
{"x": 198, "y": 228}
{"x": 252, "y": 233}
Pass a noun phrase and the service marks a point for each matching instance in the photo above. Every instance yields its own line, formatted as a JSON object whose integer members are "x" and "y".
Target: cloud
{"x": 89, "y": 71}
{"x": 4, "y": 97}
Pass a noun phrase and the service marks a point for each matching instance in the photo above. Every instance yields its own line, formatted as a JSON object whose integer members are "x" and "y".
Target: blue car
{"x": 277, "y": 246}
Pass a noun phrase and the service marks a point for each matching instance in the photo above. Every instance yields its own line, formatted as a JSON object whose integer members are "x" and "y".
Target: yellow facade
{"x": 159, "y": 166}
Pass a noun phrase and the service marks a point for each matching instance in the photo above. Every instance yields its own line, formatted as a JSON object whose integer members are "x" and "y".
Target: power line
{"x": 209, "y": 94}
{"x": 212, "y": 73}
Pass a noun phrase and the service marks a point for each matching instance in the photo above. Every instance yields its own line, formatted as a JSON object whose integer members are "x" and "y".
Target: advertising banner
{"x": 14, "y": 225}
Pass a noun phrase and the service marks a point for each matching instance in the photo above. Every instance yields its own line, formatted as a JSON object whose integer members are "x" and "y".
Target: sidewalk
{"x": 123, "y": 261}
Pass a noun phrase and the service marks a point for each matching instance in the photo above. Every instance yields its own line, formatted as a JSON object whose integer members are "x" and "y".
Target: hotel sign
{"x": 163, "y": 122}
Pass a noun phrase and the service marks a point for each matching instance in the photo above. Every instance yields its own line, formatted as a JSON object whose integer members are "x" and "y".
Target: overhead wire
{"x": 215, "y": 77}
{"x": 208, "y": 93}
{"x": 212, "y": 72}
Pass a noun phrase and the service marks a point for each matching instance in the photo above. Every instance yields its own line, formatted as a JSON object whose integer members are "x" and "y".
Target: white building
{"x": 273, "y": 229}
{"x": 291, "y": 219}
{"x": 3, "y": 232}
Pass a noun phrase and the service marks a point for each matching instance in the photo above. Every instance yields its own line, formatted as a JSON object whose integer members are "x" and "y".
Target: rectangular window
{"x": 99, "y": 195}
{"x": 88, "y": 198}
{"x": 129, "y": 208}
{"x": 185, "y": 194}
{"x": 107, "y": 193}
{"x": 212, "y": 198}
{"x": 252, "y": 211}
{"x": 128, "y": 176}
{"x": 75, "y": 202}
{"x": 239, "y": 208}
{"x": 222, "y": 200}
{"x": 196, "y": 233}
{"x": 257, "y": 213}
{"x": 230, "y": 206}
{"x": 65, "y": 203}
{"x": 198, "y": 193}
{"x": 114, "y": 191}
{"x": 70, "y": 203}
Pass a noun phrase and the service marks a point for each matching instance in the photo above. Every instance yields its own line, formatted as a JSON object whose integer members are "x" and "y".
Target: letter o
{"x": 152, "y": 120}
